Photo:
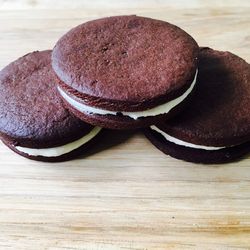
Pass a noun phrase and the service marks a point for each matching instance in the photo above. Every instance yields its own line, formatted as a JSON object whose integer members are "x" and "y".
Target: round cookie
{"x": 215, "y": 127}
{"x": 126, "y": 71}
{"x": 33, "y": 120}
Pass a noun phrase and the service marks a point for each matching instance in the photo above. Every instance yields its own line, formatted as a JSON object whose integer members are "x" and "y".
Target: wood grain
{"x": 125, "y": 194}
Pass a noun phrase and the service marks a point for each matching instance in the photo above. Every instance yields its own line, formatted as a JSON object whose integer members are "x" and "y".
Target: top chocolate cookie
{"x": 218, "y": 114}
{"x": 126, "y": 63}
{"x": 31, "y": 112}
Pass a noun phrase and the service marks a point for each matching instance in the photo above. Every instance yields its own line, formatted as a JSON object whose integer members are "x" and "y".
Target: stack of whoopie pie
{"x": 127, "y": 72}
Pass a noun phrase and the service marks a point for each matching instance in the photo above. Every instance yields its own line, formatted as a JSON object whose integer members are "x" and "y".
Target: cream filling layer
{"x": 183, "y": 143}
{"x": 158, "y": 110}
{"x": 61, "y": 150}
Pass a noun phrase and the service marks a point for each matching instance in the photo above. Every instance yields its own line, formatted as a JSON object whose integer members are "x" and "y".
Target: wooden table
{"x": 125, "y": 194}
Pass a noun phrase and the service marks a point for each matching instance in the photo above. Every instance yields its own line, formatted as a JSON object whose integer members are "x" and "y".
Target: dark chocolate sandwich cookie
{"x": 125, "y": 71}
{"x": 33, "y": 121}
{"x": 215, "y": 127}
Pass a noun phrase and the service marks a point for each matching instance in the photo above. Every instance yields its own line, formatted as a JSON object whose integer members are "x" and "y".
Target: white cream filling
{"x": 183, "y": 143}
{"x": 61, "y": 150}
{"x": 158, "y": 110}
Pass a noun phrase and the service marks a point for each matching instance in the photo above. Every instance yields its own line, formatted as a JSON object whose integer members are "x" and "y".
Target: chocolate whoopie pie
{"x": 215, "y": 127}
{"x": 126, "y": 71}
{"x": 33, "y": 121}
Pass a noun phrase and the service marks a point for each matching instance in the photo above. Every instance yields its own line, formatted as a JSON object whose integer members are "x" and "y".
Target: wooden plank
{"x": 99, "y": 5}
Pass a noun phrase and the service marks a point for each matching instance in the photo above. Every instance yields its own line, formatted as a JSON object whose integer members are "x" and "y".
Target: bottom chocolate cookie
{"x": 121, "y": 122}
{"x": 61, "y": 153}
{"x": 197, "y": 155}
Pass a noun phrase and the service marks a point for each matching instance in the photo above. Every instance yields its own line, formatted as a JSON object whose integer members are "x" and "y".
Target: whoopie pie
{"x": 33, "y": 120}
{"x": 215, "y": 126}
{"x": 125, "y": 72}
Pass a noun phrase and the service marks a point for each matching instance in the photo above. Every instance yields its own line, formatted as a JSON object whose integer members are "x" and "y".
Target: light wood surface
{"x": 125, "y": 194}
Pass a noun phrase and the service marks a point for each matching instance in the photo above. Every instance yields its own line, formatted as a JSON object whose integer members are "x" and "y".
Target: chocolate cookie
{"x": 126, "y": 71}
{"x": 33, "y": 120}
{"x": 215, "y": 127}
